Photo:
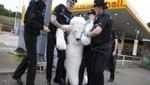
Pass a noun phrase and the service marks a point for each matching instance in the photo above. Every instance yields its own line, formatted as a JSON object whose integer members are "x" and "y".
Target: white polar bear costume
{"x": 74, "y": 50}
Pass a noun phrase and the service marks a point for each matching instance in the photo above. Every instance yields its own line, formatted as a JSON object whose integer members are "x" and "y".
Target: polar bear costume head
{"x": 77, "y": 25}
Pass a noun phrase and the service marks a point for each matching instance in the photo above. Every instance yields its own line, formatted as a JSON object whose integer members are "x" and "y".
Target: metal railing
{"x": 133, "y": 59}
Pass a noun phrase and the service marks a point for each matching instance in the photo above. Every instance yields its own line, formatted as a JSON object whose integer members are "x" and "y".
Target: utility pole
{"x": 42, "y": 39}
{"x": 17, "y": 19}
{"x": 15, "y": 23}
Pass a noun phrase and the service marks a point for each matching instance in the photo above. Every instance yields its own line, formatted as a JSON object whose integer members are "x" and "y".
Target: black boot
{"x": 61, "y": 82}
{"x": 19, "y": 81}
{"x": 112, "y": 77}
{"x": 110, "y": 80}
{"x": 48, "y": 82}
{"x": 69, "y": 83}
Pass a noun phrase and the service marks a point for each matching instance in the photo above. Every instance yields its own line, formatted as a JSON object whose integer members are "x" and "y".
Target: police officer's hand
{"x": 114, "y": 53}
{"x": 46, "y": 29}
{"x": 64, "y": 28}
{"x": 68, "y": 30}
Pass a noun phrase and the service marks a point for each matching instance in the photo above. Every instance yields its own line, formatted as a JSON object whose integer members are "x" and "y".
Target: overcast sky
{"x": 11, "y": 4}
{"x": 141, "y": 6}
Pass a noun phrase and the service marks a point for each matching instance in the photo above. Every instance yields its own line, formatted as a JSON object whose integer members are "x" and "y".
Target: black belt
{"x": 100, "y": 46}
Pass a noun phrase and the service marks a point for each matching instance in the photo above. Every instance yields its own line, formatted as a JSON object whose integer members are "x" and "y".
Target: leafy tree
{"x": 8, "y": 13}
{"x": 148, "y": 24}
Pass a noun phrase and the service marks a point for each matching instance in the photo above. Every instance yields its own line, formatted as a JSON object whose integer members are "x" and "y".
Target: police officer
{"x": 34, "y": 22}
{"x": 112, "y": 59}
{"x": 61, "y": 15}
{"x": 86, "y": 50}
{"x": 100, "y": 42}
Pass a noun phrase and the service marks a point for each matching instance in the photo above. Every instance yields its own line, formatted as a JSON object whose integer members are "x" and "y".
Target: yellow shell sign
{"x": 112, "y": 4}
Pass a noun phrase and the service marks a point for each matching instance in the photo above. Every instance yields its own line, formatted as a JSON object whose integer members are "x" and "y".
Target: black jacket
{"x": 63, "y": 16}
{"x": 104, "y": 21}
{"x": 34, "y": 17}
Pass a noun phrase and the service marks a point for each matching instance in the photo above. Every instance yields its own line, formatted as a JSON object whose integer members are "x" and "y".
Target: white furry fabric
{"x": 74, "y": 50}
{"x": 60, "y": 40}
{"x": 84, "y": 39}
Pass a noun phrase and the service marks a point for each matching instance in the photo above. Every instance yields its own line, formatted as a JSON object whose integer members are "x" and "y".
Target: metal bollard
{"x": 1, "y": 27}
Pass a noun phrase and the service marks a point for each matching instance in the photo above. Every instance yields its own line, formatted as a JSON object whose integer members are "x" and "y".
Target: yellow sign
{"x": 115, "y": 4}
{"x": 112, "y": 4}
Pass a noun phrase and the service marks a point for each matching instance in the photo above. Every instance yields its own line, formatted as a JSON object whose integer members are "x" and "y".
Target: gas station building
{"x": 134, "y": 34}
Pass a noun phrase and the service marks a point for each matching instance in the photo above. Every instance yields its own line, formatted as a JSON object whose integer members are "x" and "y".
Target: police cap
{"x": 91, "y": 12}
{"x": 72, "y": 2}
{"x": 100, "y": 3}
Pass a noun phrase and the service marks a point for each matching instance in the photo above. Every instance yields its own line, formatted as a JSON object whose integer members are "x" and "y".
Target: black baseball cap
{"x": 91, "y": 12}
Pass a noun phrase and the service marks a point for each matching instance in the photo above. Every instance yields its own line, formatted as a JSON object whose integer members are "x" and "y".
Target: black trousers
{"x": 98, "y": 62}
{"x": 84, "y": 62}
{"x": 30, "y": 61}
{"x": 112, "y": 66}
{"x": 60, "y": 71}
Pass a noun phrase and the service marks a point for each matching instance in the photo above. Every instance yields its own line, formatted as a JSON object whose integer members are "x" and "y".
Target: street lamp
{"x": 135, "y": 46}
{"x": 15, "y": 23}
{"x": 137, "y": 34}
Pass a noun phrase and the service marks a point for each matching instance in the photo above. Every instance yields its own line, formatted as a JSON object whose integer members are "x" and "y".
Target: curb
{"x": 7, "y": 72}
{"x": 12, "y": 71}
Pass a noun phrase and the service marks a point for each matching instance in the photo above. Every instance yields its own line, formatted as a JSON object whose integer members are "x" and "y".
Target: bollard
{"x": 1, "y": 27}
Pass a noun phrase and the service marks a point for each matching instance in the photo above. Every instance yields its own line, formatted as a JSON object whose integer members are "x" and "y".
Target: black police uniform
{"x": 101, "y": 50}
{"x": 34, "y": 21}
{"x": 84, "y": 62}
{"x": 112, "y": 59}
{"x": 63, "y": 17}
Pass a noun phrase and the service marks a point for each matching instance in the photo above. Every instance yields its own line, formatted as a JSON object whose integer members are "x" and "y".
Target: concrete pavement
{"x": 8, "y": 41}
{"x": 124, "y": 76}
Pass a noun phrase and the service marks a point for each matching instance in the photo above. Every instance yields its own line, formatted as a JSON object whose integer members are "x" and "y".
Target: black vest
{"x": 63, "y": 16}
{"x": 105, "y": 23}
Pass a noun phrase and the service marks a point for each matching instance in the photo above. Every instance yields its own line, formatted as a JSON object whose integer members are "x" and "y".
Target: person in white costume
{"x": 74, "y": 50}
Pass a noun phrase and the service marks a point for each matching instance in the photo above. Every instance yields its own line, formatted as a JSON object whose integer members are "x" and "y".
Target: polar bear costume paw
{"x": 85, "y": 40}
